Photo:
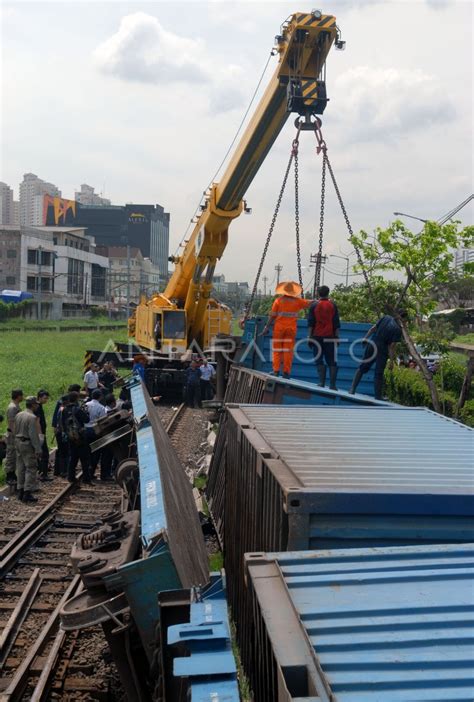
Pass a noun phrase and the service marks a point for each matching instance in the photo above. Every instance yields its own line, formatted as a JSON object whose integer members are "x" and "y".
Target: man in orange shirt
{"x": 284, "y": 317}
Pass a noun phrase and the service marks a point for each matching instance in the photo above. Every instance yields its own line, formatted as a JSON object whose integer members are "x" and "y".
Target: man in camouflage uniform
{"x": 10, "y": 459}
{"x": 28, "y": 449}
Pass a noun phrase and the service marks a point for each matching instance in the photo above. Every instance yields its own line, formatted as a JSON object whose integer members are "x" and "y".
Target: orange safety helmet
{"x": 289, "y": 288}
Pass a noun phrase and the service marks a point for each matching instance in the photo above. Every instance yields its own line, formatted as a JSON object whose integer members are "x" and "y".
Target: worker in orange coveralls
{"x": 284, "y": 317}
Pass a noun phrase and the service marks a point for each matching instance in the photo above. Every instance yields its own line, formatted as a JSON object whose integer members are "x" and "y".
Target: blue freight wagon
{"x": 362, "y": 625}
{"x": 256, "y": 353}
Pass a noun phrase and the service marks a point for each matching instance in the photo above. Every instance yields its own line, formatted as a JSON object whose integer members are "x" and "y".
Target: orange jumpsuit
{"x": 285, "y": 312}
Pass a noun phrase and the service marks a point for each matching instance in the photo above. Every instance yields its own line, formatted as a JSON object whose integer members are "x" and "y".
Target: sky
{"x": 142, "y": 99}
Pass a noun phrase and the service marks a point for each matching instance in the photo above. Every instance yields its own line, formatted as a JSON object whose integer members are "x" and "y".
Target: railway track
{"x": 36, "y": 656}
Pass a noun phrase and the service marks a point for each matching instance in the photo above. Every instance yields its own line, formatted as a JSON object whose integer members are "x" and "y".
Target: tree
{"x": 421, "y": 260}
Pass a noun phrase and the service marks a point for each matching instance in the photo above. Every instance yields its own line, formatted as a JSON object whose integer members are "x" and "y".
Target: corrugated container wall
{"x": 362, "y": 625}
{"x": 325, "y": 477}
{"x": 256, "y": 353}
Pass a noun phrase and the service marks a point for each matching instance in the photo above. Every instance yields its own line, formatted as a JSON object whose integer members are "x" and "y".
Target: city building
{"x": 7, "y": 213}
{"x": 130, "y": 274}
{"x": 87, "y": 196}
{"x": 224, "y": 287}
{"x": 32, "y": 192}
{"x": 59, "y": 265}
{"x": 463, "y": 256}
{"x": 16, "y": 213}
{"x": 142, "y": 226}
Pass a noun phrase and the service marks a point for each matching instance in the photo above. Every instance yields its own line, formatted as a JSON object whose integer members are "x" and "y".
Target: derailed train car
{"x": 154, "y": 545}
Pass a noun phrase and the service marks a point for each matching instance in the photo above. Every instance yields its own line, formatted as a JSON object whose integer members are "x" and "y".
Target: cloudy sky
{"x": 141, "y": 100}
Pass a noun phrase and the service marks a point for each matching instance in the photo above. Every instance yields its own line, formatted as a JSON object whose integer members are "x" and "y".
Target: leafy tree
{"x": 421, "y": 261}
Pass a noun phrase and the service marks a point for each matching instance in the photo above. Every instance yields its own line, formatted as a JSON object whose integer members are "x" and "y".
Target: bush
{"x": 451, "y": 375}
{"x": 407, "y": 387}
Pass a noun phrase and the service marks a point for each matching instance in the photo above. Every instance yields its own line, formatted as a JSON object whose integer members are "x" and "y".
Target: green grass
{"x": 200, "y": 482}
{"x": 236, "y": 330}
{"x": 51, "y": 360}
{"x": 216, "y": 562}
{"x": 20, "y": 323}
{"x": 465, "y": 339}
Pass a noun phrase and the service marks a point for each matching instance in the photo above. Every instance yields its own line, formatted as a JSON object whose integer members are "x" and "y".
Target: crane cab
{"x": 160, "y": 326}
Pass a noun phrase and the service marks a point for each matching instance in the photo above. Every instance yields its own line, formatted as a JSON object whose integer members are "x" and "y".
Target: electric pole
{"x": 128, "y": 280}
{"x": 278, "y": 269}
{"x": 317, "y": 260}
{"x": 265, "y": 278}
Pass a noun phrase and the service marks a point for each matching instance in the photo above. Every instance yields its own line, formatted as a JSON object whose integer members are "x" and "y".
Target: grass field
{"x": 51, "y": 360}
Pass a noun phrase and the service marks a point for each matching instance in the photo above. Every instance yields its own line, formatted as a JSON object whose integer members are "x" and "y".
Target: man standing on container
{"x": 28, "y": 449}
{"x": 10, "y": 458}
{"x": 324, "y": 325}
{"x": 387, "y": 332}
{"x": 284, "y": 317}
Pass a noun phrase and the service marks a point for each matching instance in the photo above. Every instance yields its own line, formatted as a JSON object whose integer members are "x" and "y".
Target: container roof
{"x": 365, "y": 449}
{"x": 375, "y": 624}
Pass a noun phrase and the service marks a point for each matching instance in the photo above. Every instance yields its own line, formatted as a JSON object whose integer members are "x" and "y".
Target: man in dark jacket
{"x": 193, "y": 385}
{"x": 386, "y": 333}
{"x": 323, "y": 327}
{"x": 43, "y": 462}
{"x": 73, "y": 420}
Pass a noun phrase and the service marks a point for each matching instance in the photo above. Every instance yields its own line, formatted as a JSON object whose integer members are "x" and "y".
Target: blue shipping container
{"x": 256, "y": 353}
{"x": 363, "y": 625}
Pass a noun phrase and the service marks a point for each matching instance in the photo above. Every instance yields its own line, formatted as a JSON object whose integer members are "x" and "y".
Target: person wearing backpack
{"x": 73, "y": 419}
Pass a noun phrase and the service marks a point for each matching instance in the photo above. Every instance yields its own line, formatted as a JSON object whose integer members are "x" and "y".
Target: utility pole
{"x": 128, "y": 280}
{"x": 85, "y": 290}
{"x": 265, "y": 278}
{"x": 39, "y": 311}
{"x": 317, "y": 260}
{"x": 278, "y": 269}
{"x": 109, "y": 296}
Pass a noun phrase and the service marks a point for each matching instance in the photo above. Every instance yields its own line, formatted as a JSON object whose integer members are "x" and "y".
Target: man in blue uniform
{"x": 387, "y": 332}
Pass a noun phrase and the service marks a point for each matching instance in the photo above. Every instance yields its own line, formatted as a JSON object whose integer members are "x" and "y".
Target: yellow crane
{"x": 168, "y": 322}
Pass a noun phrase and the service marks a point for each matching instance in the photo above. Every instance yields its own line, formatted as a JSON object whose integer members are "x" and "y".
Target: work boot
{"x": 332, "y": 377}
{"x": 322, "y": 375}
{"x": 45, "y": 479}
{"x": 19, "y": 493}
{"x": 355, "y": 381}
{"x": 275, "y": 373}
{"x": 28, "y": 497}
{"x": 286, "y": 375}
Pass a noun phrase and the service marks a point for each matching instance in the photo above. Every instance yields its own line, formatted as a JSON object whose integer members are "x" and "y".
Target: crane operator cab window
{"x": 174, "y": 325}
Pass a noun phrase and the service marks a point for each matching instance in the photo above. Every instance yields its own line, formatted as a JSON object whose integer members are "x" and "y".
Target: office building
{"x": 6, "y": 204}
{"x": 87, "y": 196}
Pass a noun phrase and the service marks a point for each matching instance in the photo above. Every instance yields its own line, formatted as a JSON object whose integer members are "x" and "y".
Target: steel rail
{"x": 16, "y": 688}
{"x": 36, "y": 520}
{"x": 170, "y": 426}
{"x": 18, "y": 616}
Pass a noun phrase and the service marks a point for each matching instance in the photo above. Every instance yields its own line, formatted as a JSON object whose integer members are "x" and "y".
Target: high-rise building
{"x": 463, "y": 256}
{"x": 16, "y": 213}
{"x": 6, "y": 204}
{"x": 32, "y": 190}
{"x": 87, "y": 196}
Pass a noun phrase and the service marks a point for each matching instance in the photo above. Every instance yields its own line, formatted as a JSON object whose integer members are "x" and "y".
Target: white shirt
{"x": 96, "y": 410}
{"x": 207, "y": 371}
{"x": 91, "y": 380}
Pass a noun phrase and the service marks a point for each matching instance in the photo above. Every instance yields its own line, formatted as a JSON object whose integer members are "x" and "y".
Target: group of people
{"x": 200, "y": 375}
{"x": 27, "y": 455}
{"x": 323, "y": 336}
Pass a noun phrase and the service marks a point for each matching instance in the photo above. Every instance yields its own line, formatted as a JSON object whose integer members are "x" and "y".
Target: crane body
{"x": 167, "y": 323}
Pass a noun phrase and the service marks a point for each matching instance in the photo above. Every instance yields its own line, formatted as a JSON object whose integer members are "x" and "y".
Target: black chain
{"x": 297, "y": 217}
{"x": 272, "y": 226}
{"x": 349, "y": 227}
{"x": 319, "y": 256}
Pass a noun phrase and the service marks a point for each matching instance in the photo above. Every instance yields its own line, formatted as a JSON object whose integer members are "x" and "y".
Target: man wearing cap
{"x": 284, "y": 317}
{"x": 10, "y": 459}
{"x": 28, "y": 449}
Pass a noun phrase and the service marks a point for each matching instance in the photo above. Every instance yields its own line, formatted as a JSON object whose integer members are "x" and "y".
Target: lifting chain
{"x": 319, "y": 256}
{"x": 322, "y": 147}
{"x": 297, "y": 217}
{"x": 294, "y": 151}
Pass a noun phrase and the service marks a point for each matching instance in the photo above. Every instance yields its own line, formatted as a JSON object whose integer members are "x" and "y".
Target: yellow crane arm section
{"x": 296, "y": 86}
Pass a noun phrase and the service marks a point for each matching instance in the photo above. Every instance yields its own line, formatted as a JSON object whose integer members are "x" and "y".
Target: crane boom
{"x": 297, "y": 85}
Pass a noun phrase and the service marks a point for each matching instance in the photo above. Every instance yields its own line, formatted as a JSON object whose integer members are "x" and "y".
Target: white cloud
{"x": 381, "y": 103}
{"x": 143, "y": 51}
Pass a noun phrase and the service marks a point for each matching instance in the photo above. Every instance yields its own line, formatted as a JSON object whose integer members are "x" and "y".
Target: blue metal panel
{"x": 142, "y": 580}
{"x": 381, "y": 625}
{"x": 153, "y": 517}
{"x": 210, "y": 668}
{"x": 323, "y": 396}
{"x": 257, "y": 353}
